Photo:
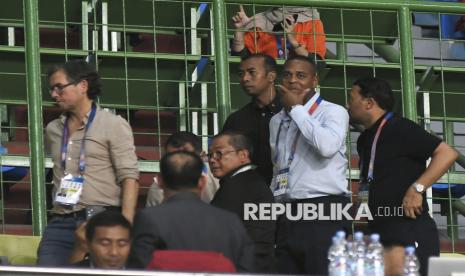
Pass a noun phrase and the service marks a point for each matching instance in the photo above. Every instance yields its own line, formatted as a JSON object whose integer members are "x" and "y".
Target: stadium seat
{"x": 190, "y": 260}
{"x": 20, "y": 250}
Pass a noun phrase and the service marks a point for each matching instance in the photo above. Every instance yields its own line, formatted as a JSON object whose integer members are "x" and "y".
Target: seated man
{"x": 240, "y": 183}
{"x": 107, "y": 240}
{"x": 184, "y": 222}
{"x": 183, "y": 141}
{"x": 263, "y": 33}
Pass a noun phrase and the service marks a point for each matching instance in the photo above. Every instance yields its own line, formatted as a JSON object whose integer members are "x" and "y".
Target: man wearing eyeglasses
{"x": 94, "y": 160}
{"x": 240, "y": 183}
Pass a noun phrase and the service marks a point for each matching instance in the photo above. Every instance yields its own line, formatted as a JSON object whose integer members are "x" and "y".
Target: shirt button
{"x": 69, "y": 158}
{"x": 263, "y": 114}
{"x": 70, "y": 142}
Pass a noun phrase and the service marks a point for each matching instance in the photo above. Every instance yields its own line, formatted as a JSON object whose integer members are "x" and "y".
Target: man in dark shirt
{"x": 257, "y": 74}
{"x": 399, "y": 176}
{"x": 229, "y": 159}
{"x": 184, "y": 222}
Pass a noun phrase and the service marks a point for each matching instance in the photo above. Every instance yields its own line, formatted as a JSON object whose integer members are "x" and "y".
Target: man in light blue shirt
{"x": 307, "y": 141}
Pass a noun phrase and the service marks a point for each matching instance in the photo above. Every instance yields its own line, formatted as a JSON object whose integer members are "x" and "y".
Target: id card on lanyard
{"x": 70, "y": 189}
{"x": 281, "y": 190}
{"x": 365, "y": 182}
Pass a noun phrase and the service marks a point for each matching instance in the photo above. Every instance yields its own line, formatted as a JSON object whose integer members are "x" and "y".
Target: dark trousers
{"x": 302, "y": 245}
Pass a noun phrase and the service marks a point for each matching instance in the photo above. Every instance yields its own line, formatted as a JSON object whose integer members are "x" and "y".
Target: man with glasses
{"x": 229, "y": 159}
{"x": 94, "y": 160}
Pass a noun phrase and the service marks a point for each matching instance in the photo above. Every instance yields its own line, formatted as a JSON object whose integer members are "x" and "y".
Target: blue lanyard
{"x": 371, "y": 165}
{"x": 311, "y": 110}
{"x": 65, "y": 139}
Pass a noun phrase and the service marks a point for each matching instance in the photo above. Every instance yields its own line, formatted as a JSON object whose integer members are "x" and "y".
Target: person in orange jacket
{"x": 279, "y": 33}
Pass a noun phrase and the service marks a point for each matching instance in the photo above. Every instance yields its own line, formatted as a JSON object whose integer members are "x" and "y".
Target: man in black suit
{"x": 184, "y": 222}
{"x": 240, "y": 183}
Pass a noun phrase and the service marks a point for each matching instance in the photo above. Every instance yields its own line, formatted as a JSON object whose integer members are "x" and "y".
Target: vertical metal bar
{"x": 34, "y": 94}
{"x": 204, "y": 106}
{"x": 182, "y": 107}
{"x": 221, "y": 61}
{"x": 105, "y": 40}
{"x": 85, "y": 25}
{"x": 194, "y": 50}
{"x": 11, "y": 36}
{"x": 408, "y": 71}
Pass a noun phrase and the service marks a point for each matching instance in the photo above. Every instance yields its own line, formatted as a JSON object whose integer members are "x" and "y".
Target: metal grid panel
{"x": 164, "y": 66}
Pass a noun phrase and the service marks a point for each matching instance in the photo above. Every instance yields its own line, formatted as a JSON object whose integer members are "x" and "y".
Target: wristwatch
{"x": 420, "y": 188}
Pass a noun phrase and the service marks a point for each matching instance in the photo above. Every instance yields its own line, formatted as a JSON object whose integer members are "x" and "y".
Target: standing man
{"x": 184, "y": 222}
{"x": 229, "y": 159}
{"x": 257, "y": 73}
{"x": 94, "y": 160}
{"x": 307, "y": 141}
{"x": 393, "y": 153}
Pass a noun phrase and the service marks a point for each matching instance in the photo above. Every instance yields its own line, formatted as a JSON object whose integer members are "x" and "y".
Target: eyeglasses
{"x": 219, "y": 154}
{"x": 60, "y": 87}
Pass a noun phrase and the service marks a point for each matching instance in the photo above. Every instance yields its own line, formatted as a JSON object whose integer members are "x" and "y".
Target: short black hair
{"x": 308, "y": 60}
{"x": 106, "y": 218}
{"x": 181, "y": 170}
{"x": 379, "y": 90}
{"x": 270, "y": 62}
{"x": 238, "y": 140}
{"x": 181, "y": 138}
{"x": 77, "y": 70}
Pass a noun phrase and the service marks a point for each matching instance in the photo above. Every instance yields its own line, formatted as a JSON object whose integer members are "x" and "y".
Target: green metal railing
{"x": 159, "y": 82}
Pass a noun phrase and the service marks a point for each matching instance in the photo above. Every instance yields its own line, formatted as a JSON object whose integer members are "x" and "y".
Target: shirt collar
{"x": 84, "y": 121}
{"x": 183, "y": 195}
{"x": 312, "y": 100}
{"x": 274, "y": 107}
{"x": 245, "y": 167}
{"x": 375, "y": 126}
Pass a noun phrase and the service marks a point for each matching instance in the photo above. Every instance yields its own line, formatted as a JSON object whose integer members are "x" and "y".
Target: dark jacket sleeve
{"x": 145, "y": 241}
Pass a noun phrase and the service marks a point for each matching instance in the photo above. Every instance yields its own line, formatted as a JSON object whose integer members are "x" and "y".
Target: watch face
{"x": 420, "y": 188}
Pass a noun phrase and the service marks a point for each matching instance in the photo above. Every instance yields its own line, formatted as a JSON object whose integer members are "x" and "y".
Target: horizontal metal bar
{"x": 24, "y": 161}
{"x": 154, "y": 166}
{"x": 420, "y": 6}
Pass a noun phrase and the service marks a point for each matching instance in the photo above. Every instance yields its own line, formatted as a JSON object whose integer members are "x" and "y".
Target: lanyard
{"x": 386, "y": 118}
{"x": 65, "y": 139}
{"x": 311, "y": 110}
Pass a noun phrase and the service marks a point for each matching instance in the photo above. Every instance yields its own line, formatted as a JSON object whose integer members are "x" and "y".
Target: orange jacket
{"x": 266, "y": 43}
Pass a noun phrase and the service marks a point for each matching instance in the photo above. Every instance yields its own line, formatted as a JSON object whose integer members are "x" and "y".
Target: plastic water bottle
{"x": 375, "y": 257}
{"x": 337, "y": 255}
{"x": 358, "y": 260}
{"x": 411, "y": 264}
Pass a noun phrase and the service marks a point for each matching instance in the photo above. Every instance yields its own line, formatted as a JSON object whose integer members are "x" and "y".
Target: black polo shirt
{"x": 254, "y": 122}
{"x": 402, "y": 150}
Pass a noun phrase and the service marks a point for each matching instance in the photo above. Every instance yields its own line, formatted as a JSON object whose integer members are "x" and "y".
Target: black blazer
{"x": 184, "y": 222}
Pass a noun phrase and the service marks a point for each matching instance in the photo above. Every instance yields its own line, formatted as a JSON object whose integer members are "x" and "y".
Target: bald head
{"x": 181, "y": 170}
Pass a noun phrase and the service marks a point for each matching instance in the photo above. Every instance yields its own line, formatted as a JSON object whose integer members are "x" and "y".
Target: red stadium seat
{"x": 190, "y": 260}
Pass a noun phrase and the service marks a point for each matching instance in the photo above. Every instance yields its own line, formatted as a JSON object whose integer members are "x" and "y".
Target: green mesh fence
{"x": 166, "y": 66}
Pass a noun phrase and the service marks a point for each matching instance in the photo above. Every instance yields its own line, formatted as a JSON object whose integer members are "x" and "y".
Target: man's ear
{"x": 159, "y": 181}
{"x": 244, "y": 155}
{"x": 202, "y": 182}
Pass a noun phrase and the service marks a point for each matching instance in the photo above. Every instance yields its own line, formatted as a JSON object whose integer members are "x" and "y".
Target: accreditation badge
{"x": 282, "y": 180}
{"x": 70, "y": 190}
